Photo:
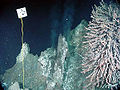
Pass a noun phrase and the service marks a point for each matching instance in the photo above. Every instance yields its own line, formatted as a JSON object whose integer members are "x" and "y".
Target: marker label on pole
{"x": 21, "y": 12}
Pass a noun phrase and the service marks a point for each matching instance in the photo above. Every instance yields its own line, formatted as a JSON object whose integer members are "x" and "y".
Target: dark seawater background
{"x": 37, "y": 25}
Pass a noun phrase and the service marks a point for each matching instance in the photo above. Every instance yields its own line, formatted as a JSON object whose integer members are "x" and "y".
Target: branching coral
{"x": 102, "y": 61}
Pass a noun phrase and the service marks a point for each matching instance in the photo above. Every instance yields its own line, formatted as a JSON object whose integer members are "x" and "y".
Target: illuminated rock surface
{"x": 54, "y": 69}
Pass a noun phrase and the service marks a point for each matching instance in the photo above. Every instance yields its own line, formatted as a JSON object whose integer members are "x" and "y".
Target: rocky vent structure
{"x": 54, "y": 69}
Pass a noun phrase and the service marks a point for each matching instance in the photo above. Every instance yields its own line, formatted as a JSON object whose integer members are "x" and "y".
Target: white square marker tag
{"x": 21, "y": 12}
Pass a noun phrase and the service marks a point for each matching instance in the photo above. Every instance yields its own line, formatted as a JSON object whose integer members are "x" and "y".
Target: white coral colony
{"x": 103, "y": 41}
